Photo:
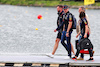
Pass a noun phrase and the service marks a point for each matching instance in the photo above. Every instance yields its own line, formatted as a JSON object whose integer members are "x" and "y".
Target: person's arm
{"x": 87, "y": 18}
{"x": 69, "y": 25}
{"x": 78, "y": 34}
{"x": 86, "y": 28}
{"x": 86, "y": 31}
{"x": 59, "y": 27}
{"x": 57, "y": 22}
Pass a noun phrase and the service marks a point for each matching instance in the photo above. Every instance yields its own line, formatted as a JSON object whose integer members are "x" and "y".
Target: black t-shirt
{"x": 60, "y": 20}
{"x": 82, "y": 25}
{"x": 68, "y": 18}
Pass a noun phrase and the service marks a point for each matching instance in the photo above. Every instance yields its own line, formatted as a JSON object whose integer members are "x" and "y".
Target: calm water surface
{"x": 18, "y": 34}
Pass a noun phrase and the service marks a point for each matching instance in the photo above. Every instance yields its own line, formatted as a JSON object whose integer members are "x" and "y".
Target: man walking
{"x": 59, "y": 22}
{"x": 68, "y": 20}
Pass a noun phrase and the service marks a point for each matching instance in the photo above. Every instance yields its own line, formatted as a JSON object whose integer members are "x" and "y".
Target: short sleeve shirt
{"x": 83, "y": 24}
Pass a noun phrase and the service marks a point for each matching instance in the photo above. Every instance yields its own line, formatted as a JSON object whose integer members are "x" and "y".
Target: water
{"x": 18, "y": 34}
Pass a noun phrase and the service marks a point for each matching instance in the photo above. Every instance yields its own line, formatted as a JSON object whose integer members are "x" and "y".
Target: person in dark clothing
{"x": 68, "y": 19}
{"x": 59, "y": 22}
{"x": 85, "y": 34}
{"x": 82, "y": 9}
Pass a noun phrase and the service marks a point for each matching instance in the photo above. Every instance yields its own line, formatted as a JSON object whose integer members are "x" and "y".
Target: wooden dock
{"x": 44, "y": 61}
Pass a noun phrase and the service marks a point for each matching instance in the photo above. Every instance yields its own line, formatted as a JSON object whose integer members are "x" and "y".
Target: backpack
{"x": 84, "y": 44}
{"x": 74, "y": 21}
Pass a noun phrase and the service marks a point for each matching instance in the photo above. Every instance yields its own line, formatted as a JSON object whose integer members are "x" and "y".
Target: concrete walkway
{"x": 47, "y": 60}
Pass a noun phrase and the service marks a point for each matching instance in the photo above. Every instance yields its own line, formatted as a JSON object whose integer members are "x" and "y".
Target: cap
{"x": 65, "y": 7}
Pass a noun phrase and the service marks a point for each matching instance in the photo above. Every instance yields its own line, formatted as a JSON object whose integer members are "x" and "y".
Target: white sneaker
{"x": 67, "y": 57}
{"x": 50, "y": 55}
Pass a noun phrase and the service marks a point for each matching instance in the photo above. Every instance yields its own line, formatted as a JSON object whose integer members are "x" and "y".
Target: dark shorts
{"x": 59, "y": 35}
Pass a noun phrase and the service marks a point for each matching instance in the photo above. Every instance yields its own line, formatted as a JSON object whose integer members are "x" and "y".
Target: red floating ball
{"x": 39, "y": 16}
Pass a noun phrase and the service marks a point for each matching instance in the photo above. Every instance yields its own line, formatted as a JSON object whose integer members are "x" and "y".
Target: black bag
{"x": 84, "y": 44}
{"x": 74, "y": 21}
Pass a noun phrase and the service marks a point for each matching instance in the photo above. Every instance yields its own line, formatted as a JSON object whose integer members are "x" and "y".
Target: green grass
{"x": 97, "y": 4}
{"x": 55, "y": 3}
{"x": 43, "y": 3}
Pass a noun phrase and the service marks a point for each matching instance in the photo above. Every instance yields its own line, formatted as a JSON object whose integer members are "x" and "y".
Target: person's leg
{"x": 72, "y": 48}
{"x": 82, "y": 55}
{"x": 63, "y": 39}
{"x": 80, "y": 37}
{"x": 77, "y": 53}
{"x": 68, "y": 39}
{"x": 78, "y": 50}
{"x": 56, "y": 43}
{"x": 55, "y": 46}
{"x": 91, "y": 54}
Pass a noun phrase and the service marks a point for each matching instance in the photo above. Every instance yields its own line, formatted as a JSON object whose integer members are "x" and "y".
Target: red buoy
{"x": 39, "y": 16}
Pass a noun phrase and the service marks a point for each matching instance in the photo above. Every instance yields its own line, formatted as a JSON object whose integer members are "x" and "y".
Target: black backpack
{"x": 74, "y": 21}
{"x": 84, "y": 44}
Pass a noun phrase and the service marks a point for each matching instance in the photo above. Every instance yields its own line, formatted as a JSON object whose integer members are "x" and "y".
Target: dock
{"x": 45, "y": 61}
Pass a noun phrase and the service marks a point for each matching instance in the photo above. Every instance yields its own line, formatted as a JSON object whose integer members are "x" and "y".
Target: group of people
{"x": 64, "y": 27}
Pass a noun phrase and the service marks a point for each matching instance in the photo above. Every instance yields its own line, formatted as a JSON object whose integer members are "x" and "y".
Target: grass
{"x": 55, "y": 3}
{"x": 44, "y": 3}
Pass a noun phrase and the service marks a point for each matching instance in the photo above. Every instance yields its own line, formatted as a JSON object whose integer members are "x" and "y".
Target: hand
{"x": 77, "y": 35}
{"x": 55, "y": 30}
{"x": 85, "y": 35}
{"x": 67, "y": 34}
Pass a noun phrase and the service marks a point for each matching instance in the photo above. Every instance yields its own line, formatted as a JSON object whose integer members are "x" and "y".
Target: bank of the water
{"x": 71, "y": 4}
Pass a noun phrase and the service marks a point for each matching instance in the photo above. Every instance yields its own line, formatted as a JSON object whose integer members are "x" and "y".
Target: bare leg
{"x": 55, "y": 46}
{"x": 72, "y": 49}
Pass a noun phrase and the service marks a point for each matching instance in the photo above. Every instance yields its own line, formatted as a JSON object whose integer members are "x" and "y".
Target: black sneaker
{"x": 91, "y": 59}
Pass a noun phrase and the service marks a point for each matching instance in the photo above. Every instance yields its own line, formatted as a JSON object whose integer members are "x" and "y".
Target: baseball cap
{"x": 65, "y": 7}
